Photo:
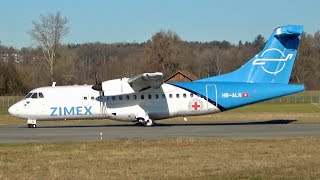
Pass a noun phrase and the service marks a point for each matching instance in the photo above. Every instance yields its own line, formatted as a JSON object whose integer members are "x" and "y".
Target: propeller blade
{"x": 97, "y": 87}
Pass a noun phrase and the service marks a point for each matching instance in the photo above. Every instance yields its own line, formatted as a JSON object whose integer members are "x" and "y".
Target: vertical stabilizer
{"x": 273, "y": 64}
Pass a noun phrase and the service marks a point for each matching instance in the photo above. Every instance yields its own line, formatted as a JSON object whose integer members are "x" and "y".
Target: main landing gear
{"x": 32, "y": 123}
{"x": 146, "y": 122}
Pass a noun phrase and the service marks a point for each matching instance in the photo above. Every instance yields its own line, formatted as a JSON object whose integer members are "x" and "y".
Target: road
{"x": 267, "y": 129}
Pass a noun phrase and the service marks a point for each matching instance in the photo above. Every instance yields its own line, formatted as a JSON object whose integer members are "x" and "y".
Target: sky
{"x": 114, "y": 21}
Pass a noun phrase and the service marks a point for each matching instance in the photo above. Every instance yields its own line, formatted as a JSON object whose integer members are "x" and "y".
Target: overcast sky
{"x": 137, "y": 20}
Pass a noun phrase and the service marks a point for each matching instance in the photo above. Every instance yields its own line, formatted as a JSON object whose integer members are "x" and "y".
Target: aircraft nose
{"x": 12, "y": 110}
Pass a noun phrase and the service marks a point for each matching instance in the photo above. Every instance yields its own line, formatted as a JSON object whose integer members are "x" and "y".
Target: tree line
{"x": 24, "y": 69}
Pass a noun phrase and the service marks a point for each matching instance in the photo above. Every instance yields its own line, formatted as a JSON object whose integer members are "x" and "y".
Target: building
{"x": 181, "y": 76}
{"x": 5, "y": 57}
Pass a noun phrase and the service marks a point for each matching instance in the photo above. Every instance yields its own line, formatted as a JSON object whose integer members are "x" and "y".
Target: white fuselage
{"x": 82, "y": 102}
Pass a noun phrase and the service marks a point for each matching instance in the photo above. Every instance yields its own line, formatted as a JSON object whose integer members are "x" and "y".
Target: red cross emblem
{"x": 195, "y": 106}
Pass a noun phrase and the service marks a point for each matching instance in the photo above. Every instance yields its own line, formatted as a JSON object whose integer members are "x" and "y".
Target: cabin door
{"x": 211, "y": 96}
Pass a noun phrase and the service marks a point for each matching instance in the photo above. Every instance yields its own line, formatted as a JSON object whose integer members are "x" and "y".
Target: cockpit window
{"x": 28, "y": 95}
{"x": 34, "y": 96}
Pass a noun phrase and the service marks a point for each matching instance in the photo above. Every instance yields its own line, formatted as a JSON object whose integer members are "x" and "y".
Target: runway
{"x": 265, "y": 129}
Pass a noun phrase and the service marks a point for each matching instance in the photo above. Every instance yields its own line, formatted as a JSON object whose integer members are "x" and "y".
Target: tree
{"x": 259, "y": 42}
{"x": 9, "y": 78}
{"x": 165, "y": 49}
{"x": 212, "y": 60}
{"x": 48, "y": 32}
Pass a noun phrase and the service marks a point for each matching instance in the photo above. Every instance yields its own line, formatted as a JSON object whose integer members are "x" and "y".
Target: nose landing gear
{"x": 32, "y": 123}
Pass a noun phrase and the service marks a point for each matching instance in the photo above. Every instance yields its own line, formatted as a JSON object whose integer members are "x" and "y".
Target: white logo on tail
{"x": 262, "y": 61}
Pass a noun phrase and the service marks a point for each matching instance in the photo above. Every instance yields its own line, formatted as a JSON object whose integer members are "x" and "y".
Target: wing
{"x": 145, "y": 81}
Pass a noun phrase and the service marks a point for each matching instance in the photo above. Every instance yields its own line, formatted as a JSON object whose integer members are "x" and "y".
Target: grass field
{"x": 4, "y": 111}
{"x": 207, "y": 158}
{"x": 297, "y": 158}
{"x": 273, "y": 108}
{"x": 308, "y": 93}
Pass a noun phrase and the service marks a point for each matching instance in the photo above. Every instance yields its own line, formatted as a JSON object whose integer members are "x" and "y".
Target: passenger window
{"x": 191, "y": 95}
{"x": 92, "y": 98}
{"x": 142, "y": 96}
{"x": 177, "y": 95}
{"x": 113, "y": 98}
{"x": 41, "y": 95}
{"x": 85, "y": 98}
{"x": 170, "y": 95}
{"x": 184, "y": 96}
{"x": 198, "y": 95}
{"x": 34, "y": 96}
{"x": 163, "y": 96}
{"x": 120, "y": 97}
{"x": 134, "y": 96}
{"x": 157, "y": 96}
{"x": 149, "y": 96}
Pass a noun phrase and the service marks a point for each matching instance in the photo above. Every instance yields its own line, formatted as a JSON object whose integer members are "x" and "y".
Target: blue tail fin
{"x": 273, "y": 64}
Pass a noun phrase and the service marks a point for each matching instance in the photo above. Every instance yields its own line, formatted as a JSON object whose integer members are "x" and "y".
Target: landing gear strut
{"x": 32, "y": 123}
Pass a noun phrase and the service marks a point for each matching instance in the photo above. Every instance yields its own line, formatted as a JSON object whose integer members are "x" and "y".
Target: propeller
{"x": 98, "y": 85}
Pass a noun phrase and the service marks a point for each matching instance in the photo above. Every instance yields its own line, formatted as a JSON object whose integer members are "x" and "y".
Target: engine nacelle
{"x": 116, "y": 87}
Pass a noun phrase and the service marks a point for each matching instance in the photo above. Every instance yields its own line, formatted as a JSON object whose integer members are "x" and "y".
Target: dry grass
{"x": 294, "y": 158}
{"x": 297, "y": 158}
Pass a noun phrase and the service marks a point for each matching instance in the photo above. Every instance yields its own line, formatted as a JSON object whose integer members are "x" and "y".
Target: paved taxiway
{"x": 268, "y": 129}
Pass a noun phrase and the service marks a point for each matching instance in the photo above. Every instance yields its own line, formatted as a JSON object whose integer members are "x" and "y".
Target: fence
{"x": 295, "y": 99}
{"x": 7, "y": 101}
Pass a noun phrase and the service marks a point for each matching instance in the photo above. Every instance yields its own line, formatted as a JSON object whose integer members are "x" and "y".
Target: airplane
{"x": 146, "y": 97}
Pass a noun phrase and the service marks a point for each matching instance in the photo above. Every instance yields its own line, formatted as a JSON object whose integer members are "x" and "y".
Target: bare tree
{"x": 212, "y": 59}
{"x": 48, "y": 32}
{"x": 165, "y": 48}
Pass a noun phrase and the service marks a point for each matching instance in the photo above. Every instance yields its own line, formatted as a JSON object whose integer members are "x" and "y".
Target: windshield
{"x": 28, "y": 95}
{"x": 34, "y": 95}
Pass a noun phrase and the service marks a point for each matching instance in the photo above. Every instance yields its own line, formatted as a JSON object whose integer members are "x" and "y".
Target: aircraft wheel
{"x": 148, "y": 122}
{"x": 140, "y": 122}
{"x": 32, "y": 125}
